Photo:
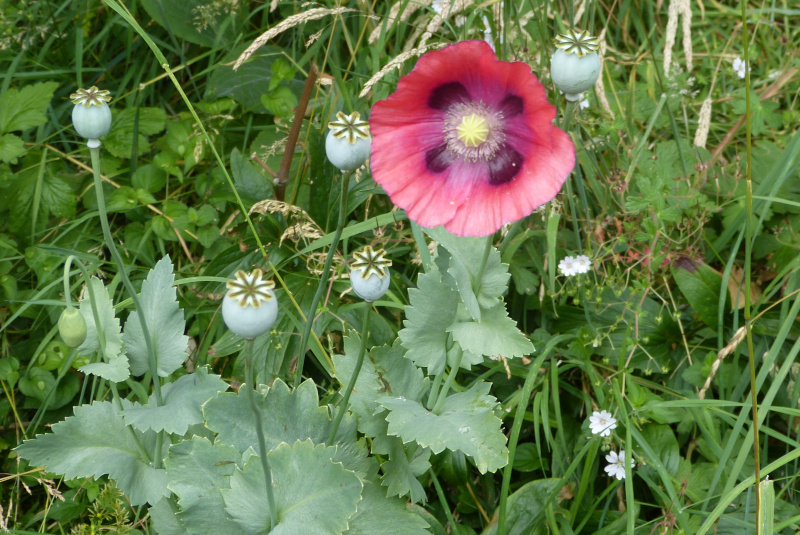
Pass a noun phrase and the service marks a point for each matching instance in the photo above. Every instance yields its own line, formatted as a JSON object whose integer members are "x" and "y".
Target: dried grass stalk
{"x": 599, "y": 87}
{"x": 703, "y": 123}
{"x": 289, "y": 22}
{"x": 724, "y": 352}
{"x": 393, "y": 64}
{"x": 392, "y": 17}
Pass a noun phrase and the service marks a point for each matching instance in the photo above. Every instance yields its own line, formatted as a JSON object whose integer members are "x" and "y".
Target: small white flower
{"x": 567, "y": 266}
{"x": 616, "y": 466}
{"x": 437, "y": 6}
{"x": 582, "y": 264}
{"x": 601, "y": 423}
{"x": 740, "y": 67}
{"x": 583, "y": 102}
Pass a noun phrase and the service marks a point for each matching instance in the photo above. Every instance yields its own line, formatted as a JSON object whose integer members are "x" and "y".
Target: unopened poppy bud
{"x": 91, "y": 115}
{"x": 249, "y": 307}
{"x": 369, "y": 274}
{"x": 348, "y": 141}
{"x": 575, "y": 65}
{"x": 72, "y": 327}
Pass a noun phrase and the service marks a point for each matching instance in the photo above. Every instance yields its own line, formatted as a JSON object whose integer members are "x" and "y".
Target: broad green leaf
{"x": 525, "y": 508}
{"x": 109, "y": 324}
{"x": 432, "y": 309}
{"x": 381, "y": 515}
{"x": 384, "y": 372}
{"x": 251, "y": 183}
{"x": 198, "y": 471}
{"x": 663, "y": 453}
{"x": 279, "y": 101}
{"x": 312, "y": 493}
{"x": 286, "y": 417}
{"x": 466, "y": 422}
{"x": 38, "y": 197}
{"x": 250, "y": 81}
{"x": 197, "y": 21}
{"x": 164, "y": 520}
{"x": 496, "y": 334}
{"x": 165, "y": 322}
{"x": 465, "y": 260}
{"x": 25, "y": 108}
{"x": 149, "y": 177}
{"x": 182, "y": 404}
{"x": 11, "y": 148}
{"x": 119, "y": 141}
{"x": 701, "y": 286}
{"x": 95, "y": 442}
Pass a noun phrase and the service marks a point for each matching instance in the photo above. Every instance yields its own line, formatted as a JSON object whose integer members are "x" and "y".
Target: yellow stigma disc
{"x": 473, "y": 130}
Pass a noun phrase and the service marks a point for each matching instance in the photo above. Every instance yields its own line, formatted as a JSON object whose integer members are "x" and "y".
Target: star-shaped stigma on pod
{"x": 370, "y": 261}
{"x": 250, "y": 288}
{"x": 350, "y": 127}
{"x": 578, "y": 42}
{"x": 91, "y": 97}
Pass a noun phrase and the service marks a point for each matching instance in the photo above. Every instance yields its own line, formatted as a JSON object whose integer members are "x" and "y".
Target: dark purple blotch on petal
{"x": 505, "y": 165}
{"x": 438, "y": 158}
{"x": 447, "y": 95}
{"x": 511, "y": 106}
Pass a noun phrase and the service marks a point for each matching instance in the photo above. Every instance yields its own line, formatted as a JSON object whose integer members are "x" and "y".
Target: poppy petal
{"x": 437, "y": 183}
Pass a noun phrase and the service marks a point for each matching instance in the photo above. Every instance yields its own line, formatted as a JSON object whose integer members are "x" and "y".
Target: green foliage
{"x": 320, "y": 504}
{"x": 95, "y": 442}
{"x": 652, "y": 332}
{"x": 466, "y": 422}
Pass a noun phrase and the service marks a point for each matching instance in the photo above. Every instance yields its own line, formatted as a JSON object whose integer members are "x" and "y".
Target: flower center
{"x": 473, "y": 130}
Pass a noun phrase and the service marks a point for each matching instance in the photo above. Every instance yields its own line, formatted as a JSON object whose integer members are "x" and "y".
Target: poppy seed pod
{"x": 348, "y": 142}
{"x": 575, "y": 65}
{"x": 369, "y": 274}
{"x": 249, "y": 307}
{"x": 91, "y": 115}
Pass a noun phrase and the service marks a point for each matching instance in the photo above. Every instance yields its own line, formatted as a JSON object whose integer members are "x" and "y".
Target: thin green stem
{"x": 476, "y": 284}
{"x": 342, "y": 409}
{"x": 451, "y": 377}
{"x": 434, "y": 391}
{"x": 443, "y": 501}
{"x": 527, "y": 388}
{"x": 748, "y": 252}
{"x": 109, "y": 238}
{"x": 251, "y": 388}
{"x": 323, "y": 281}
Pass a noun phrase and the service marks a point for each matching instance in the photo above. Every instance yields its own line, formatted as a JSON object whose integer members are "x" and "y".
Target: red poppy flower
{"x": 467, "y": 141}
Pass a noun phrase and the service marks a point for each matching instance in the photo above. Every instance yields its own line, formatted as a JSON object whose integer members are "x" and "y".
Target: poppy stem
{"x": 451, "y": 377}
{"x": 351, "y": 385}
{"x": 250, "y": 386}
{"x": 323, "y": 282}
{"x": 476, "y": 284}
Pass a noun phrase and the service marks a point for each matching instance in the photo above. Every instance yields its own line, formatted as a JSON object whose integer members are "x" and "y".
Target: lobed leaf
{"x": 165, "y": 322}
{"x": 466, "y": 422}
{"x": 96, "y": 442}
{"x": 182, "y": 404}
{"x": 321, "y": 504}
